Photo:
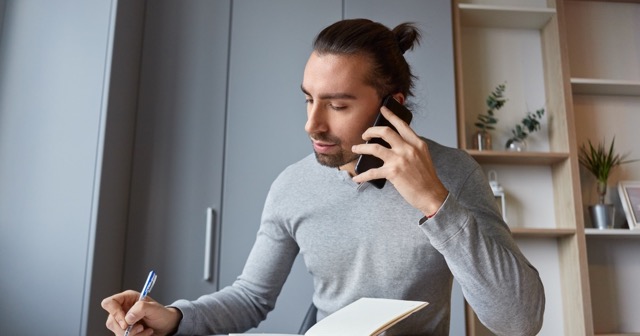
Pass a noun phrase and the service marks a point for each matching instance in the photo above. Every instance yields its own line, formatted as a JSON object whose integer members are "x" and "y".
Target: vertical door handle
{"x": 208, "y": 243}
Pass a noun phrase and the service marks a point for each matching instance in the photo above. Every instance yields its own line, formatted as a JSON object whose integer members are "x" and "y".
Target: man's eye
{"x": 337, "y": 107}
{"x": 308, "y": 101}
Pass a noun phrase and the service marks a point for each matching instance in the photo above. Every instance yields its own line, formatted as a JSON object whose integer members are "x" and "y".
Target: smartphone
{"x": 365, "y": 161}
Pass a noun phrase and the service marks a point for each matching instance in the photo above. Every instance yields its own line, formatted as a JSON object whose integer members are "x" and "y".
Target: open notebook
{"x": 364, "y": 317}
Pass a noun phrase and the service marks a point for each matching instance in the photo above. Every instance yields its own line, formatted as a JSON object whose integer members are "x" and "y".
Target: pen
{"x": 151, "y": 279}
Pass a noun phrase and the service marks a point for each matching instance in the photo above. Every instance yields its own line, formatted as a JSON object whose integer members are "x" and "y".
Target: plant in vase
{"x": 529, "y": 124}
{"x": 486, "y": 122}
{"x": 600, "y": 161}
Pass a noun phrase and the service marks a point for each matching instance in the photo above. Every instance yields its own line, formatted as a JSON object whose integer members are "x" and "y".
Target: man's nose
{"x": 316, "y": 122}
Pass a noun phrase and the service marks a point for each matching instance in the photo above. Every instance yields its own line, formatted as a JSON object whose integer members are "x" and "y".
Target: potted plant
{"x": 529, "y": 124}
{"x": 486, "y": 122}
{"x": 600, "y": 161}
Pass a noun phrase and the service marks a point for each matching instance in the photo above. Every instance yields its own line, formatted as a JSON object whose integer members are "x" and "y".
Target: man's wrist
{"x": 176, "y": 319}
{"x": 429, "y": 215}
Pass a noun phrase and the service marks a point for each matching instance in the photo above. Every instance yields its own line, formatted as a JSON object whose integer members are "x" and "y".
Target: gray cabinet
{"x": 179, "y": 146}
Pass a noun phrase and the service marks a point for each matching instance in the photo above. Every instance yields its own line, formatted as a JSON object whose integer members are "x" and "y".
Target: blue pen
{"x": 151, "y": 280}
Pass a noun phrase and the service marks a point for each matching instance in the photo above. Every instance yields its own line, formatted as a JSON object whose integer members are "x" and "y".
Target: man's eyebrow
{"x": 336, "y": 95}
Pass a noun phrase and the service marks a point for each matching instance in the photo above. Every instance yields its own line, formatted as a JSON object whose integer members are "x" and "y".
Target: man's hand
{"x": 407, "y": 164}
{"x": 148, "y": 316}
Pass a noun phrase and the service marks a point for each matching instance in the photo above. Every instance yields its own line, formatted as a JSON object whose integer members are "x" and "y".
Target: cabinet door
{"x": 178, "y": 152}
{"x": 270, "y": 44}
{"x": 53, "y": 57}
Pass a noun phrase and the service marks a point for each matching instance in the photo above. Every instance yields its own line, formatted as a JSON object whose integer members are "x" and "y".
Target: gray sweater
{"x": 366, "y": 242}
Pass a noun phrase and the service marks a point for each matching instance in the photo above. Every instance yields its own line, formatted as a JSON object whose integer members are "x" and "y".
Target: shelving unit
{"x": 603, "y": 43}
{"x": 589, "y": 54}
{"x": 519, "y": 45}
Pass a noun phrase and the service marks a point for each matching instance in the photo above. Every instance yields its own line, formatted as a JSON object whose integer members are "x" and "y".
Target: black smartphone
{"x": 365, "y": 161}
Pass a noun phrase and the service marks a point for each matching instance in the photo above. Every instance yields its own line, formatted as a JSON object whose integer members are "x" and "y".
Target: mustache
{"x": 325, "y": 137}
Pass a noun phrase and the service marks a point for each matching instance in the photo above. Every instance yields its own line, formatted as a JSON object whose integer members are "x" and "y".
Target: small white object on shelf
{"x": 498, "y": 193}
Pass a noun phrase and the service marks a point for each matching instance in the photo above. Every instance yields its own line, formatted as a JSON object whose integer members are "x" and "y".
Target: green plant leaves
{"x": 494, "y": 102}
{"x": 529, "y": 124}
{"x": 599, "y": 161}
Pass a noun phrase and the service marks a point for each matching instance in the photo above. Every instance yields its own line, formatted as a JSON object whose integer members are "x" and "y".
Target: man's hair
{"x": 384, "y": 47}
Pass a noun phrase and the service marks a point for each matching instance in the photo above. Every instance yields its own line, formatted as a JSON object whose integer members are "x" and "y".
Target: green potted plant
{"x": 529, "y": 124}
{"x": 600, "y": 161}
{"x": 486, "y": 121}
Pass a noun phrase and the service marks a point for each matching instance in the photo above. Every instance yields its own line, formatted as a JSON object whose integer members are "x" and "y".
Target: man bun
{"x": 407, "y": 35}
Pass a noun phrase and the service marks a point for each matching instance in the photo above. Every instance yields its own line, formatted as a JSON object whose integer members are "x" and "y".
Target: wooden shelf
{"x": 615, "y": 233}
{"x": 605, "y": 87}
{"x": 541, "y": 233}
{"x": 472, "y": 15}
{"x": 529, "y": 39}
{"x": 518, "y": 158}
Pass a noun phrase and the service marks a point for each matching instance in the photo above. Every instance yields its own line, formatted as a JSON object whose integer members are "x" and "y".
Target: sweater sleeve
{"x": 245, "y": 303}
{"x": 502, "y": 287}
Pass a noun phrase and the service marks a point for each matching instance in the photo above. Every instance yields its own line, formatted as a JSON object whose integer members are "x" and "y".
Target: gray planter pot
{"x": 602, "y": 215}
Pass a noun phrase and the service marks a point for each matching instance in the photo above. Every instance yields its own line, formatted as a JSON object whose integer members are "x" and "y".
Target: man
{"x": 435, "y": 219}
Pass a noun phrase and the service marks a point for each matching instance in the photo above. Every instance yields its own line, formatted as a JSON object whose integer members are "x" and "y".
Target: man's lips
{"x": 323, "y": 147}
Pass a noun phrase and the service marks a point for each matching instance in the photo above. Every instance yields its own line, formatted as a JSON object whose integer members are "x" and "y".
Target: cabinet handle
{"x": 208, "y": 243}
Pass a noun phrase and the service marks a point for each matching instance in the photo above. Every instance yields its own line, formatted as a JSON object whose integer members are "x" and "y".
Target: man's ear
{"x": 399, "y": 97}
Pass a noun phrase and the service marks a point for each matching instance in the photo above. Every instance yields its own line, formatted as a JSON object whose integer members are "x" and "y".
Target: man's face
{"x": 340, "y": 106}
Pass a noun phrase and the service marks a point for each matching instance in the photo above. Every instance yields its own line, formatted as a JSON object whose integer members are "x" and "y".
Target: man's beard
{"x": 333, "y": 160}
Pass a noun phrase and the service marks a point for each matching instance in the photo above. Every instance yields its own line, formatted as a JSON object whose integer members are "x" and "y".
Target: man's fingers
{"x": 392, "y": 137}
{"x": 140, "y": 310}
{"x": 110, "y": 305}
{"x": 116, "y": 326}
{"x": 137, "y": 329}
{"x": 111, "y": 323}
{"x": 369, "y": 175}
{"x": 116, "y": 314}
{"x": 118, "y": 304}
{"x": 404, "y": 130}
{"x": 135, "y": 314}
{"x": 120, "y": 301}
